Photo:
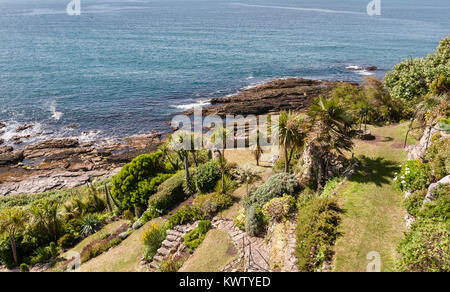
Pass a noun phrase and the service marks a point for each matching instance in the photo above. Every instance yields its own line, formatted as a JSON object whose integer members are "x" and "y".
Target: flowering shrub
{"x": 425, "y": 248}
{"x": 278, "y": 208}
{"x": 414, "y": 175}
{"x": 239, "y": 220}
{"x": 152, "y": 239}
{"x": 316, "y": 233}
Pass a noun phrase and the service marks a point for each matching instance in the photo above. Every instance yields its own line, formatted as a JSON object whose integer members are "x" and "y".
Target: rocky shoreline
{"x": 67, "y": 162}
{"x": 270, "y": 97}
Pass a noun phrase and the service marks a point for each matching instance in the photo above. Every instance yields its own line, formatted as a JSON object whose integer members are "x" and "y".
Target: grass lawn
{"x": 373, "y": 218}
{"x": 215, "y": 252}
{"x": 122, "y": 258}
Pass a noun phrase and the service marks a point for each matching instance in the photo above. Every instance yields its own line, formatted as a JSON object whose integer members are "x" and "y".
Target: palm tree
{"x": 292, "y": 135}
{"x": 13, "y": 221}
{"x": 256, "y": 149}
{"x": 331, "y": 131}
{"x": 177, "y": 143}
{"x": 46, "y": 216}
{"x": 221, "y": 161}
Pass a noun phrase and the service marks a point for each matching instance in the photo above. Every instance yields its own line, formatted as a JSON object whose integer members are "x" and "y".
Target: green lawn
{"x": 373, "y": 218}
{"x": 122, "y": 258}
{"x": 215, "y": 252}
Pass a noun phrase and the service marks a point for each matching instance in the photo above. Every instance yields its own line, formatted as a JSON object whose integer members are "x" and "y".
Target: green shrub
{"x": 131, "y": 185}
{"x": 439, "y": 208}
{"x": 44, "y": 254}
{"x": 413, "y": 203}
{"x": 67, "y": 240}
{"x": 169, "y": 194}
{"x": 204, "y": 226}
{"x": 426, "y": 247}
{"x": 194, "y": 238}
{"x": 413, "y": 78}
{"x": 330, "y": 187}
{"x": 171, "y": 265}
{"x": 229, "y": 186}
{"x": 254, "y": 224}
{"x": 306, "y": 195}
{"x": 213, "y": 203}
{"x": 275, "y": 186}
{"x": 128, "y": 215}
{"x": 207, "y": 176}
{"x": 414, "y": 175}
{"x": 185, "y": 214}
{"x": 316, "y": 232}
{"x": 152, "y": 240}
{"x": 438, "y": 155}
{"x": 90, "y": 224}
{"x": 240, "y": 219}
{"x": 278, "y": 208}
{"x": 24, "y": 268}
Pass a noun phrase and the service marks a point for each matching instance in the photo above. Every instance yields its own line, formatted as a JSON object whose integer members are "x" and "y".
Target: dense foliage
{"x": 413, "y": 78}
{"x": 207, "y": 177}
{"x": 275, "y": 186}
{"x": 169, "y": 193}
{"x": 152, "y": 240}
{"x": 414, "y": 175}
{"x": 194, "y": 238}
{"x": 278, "y": 208}
{"x": 137, "y": 181}
{"x": 316, "y": 233}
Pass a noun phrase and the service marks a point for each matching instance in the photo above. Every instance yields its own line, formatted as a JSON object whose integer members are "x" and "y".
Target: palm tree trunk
{"x": 320, "y": 175}
{"x": 14, "y": 249}
{"x": 286, "y": 162}
{"x": 186, "y": 168}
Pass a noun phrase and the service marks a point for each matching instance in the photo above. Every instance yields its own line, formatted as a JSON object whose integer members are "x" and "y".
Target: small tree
{"x": 45, "y": 215}
{"x": 292, "y": 134}
{"x": 331, "y": 131}
{"x": 219, "y": 138}
{"x": 180, "y": 144}
{"x": 13, "y": 221}
{"x": 256, "y": 149}
{"x": 247, "y": 175}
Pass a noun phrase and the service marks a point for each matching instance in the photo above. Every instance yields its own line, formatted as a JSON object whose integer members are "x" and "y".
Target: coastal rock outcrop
{"x": 65, "y": 163}
{"x": 271, "y": 97}
{"x": 24, "y": 127}
{"x": 11, "y": 157}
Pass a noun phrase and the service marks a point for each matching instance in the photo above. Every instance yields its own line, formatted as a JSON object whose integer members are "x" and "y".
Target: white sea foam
{"x": 55, "y": 114}
{"x": 192, "y": 105}
{"x": 359, "y": 70}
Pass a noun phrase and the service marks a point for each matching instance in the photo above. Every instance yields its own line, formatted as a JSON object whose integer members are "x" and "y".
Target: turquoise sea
{"x": 125, "y": 66}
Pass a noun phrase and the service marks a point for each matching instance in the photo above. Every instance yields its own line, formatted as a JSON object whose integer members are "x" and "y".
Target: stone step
{"x": 169, "y": 244}
{"x": 163, "y": 251}
{"x": 153, "y": 265}
{"x": 172, "y": 238}
{"x": 158, "y": 258}
{"x": 179, "y": 228}
{"x": 174, "y": 233}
